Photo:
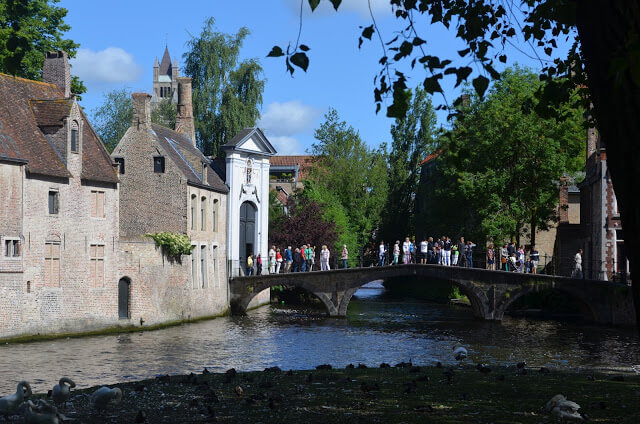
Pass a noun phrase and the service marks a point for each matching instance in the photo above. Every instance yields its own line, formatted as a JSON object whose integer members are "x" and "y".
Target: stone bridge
{"x": 490, "y": 292}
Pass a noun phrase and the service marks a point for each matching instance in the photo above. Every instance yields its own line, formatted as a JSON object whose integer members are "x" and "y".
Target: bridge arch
{"x": 589, "y": 312}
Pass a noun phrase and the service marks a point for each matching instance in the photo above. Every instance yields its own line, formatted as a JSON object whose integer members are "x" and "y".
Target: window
{"x": 193, "y": 212}
{"x": 52, "y": 264}
{"x": 74, "y": 140}
{"x": 54, "y": 202}
{"x": 97, "y": 204}
{"x": 203, "y": 266}
{"x": 12, "y": 248}
{"x": 214, "y": 225}
{"x": 194, "y": 269}
{"x": 120, "y": 162}
{"x": 96, "y": 273}
{"x": 158, "y": 164}
{"x": 203, "y": 214}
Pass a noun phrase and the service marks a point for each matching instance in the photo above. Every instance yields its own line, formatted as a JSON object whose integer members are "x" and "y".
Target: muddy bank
{"x": 386, "y": 395}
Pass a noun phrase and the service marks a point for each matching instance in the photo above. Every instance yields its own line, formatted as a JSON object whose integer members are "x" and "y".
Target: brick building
{"x": 58, "y": 210}
{"x": 168, "y": 185}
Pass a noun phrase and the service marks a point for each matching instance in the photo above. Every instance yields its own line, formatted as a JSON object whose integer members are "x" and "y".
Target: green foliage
{"x": 112, "y": 119}
{"x": 28, "y": 29}
{"x": 173, "y": 245}
{"x": 499, "y": 172}
{"x": 227, "y": 92}
{"x": 276, "y": 209}
{"x": 414, "y": 136}
{"x": 333, "y": 211}
{"x": 354, "y": 174}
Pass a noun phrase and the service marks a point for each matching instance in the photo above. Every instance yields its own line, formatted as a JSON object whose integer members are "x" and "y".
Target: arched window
{"x": 203, "y": 213}
{"x": 214, "y": 226}
{"x": 193, "y": 211}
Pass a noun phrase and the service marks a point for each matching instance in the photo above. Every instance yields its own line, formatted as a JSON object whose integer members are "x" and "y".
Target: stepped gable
{"x": 188, "y": 158}
{"x": 27, "y": 106}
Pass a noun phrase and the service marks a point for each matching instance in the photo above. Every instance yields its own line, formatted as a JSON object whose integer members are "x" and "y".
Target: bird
{"x": 41, "y": 412}
{"x": 563, "y": 408}
{"x": 9, "y": 404}
{"x": 459, "y": 352}
{"x": 102, "y": 397}
{"x": 62, "y": 391}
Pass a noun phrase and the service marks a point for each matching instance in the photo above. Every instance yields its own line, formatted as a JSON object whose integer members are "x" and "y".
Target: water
{"x": 377, "y": 329}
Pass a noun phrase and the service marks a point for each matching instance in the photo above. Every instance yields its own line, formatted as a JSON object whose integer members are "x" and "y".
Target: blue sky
{"x": 119, "y": 41}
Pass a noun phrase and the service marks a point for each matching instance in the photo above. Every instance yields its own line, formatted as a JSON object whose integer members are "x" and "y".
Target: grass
{"x": 373, "y": 395}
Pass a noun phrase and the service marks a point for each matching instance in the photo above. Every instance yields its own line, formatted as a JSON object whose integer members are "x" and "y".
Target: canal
{"x": 379, "y": 328}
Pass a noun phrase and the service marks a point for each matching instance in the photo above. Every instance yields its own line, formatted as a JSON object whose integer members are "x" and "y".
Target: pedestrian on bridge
{"x": 250, "y": 265}
{"x": 396, "y": 252}
{"x": 298, "y": 262}
{"x": 344, "y": 256}
{"x": 324, "y": 258}
{"x": 310, "y": 254}
{"x": 491, "y": 258}
{"x": 288, "y": 259}
{"x": 272, "y": 260}
{"x": 534, "y": 258}
{"x": 382, "y": 251}
{"x": 278, "y": 260}
{"x": 406, "y": 250}
{"x": 577, "y": 265}
{"x": 259, "y": 264}
{"x": 303, "y": 254}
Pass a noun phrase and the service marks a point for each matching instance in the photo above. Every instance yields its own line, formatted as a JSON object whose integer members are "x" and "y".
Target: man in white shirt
{"x": 577, "y": 265}
{"x": 424, "y": 249}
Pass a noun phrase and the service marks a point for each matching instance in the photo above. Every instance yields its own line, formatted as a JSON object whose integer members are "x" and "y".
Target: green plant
{"x": 172, "y": 244}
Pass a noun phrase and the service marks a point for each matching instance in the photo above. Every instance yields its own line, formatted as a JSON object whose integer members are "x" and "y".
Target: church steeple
{"x": 165, "y": 64}
{"x": 165, "y": 78}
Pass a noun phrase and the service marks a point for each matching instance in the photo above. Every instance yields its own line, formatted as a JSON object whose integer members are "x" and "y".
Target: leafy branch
{"x": 173, "y": 245}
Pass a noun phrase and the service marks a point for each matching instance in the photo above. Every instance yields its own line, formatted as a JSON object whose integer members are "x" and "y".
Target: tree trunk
{"x": 533, "y": 231}
{"x": 605, "y": 29}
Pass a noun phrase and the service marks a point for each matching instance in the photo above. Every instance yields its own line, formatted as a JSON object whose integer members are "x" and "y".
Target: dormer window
{"x": 75, "y": 141}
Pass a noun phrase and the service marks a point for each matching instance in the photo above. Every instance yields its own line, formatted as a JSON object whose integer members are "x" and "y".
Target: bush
{"x": 173, "y": 245}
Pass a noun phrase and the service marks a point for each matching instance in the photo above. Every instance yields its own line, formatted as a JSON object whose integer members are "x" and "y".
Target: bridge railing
{"x": 547, "y": 265}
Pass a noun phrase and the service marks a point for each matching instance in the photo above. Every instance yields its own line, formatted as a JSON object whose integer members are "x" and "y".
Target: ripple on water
{"x": 376, "y": 330}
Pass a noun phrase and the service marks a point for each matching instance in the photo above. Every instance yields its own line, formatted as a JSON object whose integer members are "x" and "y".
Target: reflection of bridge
{"x": 490, "y": 292}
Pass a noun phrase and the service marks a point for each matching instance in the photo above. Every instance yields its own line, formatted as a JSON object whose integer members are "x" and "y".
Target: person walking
{"x": 396, "y": 252}
{"x": 288, "y": 259}
{"x": 278, "y": 261}
{"x": 534, "y": 258}
{"x": 324, "y": 258}
{"x": 344, "y": 256}
{"x": 577, "y": 265}
{"x": 272, "y": 260}
{"x": 250, "y": 265}
{"x": 406, "y": 251}
{"x": 298, "y": 262}
{"x": 469, "y": 254}
{"x": 382, "y": 251}
{"x": 462, "y": 249}
{"x": 504, "y": 257}
{"x": 491, "y": 258}
{"x": 309, "y": 254}
{"x": 259, "y": 264}
{"x": 446, "y": 251}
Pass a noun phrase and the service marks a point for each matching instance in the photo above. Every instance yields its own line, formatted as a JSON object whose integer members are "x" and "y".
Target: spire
{"x": 165, "y": 64}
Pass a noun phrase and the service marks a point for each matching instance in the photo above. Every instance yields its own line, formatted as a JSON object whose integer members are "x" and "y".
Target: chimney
{"x": 592, "y": 141}
{"x": 563, "y": 200}
{"x": 184, "y": 118}
{"x": 56, "y": 71}
{"x": 141, "y": 116}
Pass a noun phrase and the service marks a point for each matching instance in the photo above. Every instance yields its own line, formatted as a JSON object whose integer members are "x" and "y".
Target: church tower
{"x": 165, "y": 79}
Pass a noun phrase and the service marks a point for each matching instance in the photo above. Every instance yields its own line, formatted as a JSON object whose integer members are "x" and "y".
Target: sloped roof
{"x": 165, "y": 63}
{"x": 305, "y": 163}
{"x": 27, "y": 106}
{"x": 431, "y": 157}
{"x": 188, "y": 158}
{"x": 245, "y": 134}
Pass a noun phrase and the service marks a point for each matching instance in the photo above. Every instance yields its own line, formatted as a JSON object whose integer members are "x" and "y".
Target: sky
{"x": 119, "y": 41}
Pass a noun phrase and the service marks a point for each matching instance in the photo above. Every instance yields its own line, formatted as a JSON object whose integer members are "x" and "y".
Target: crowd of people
{"x": 442, "y": 251}
{"x": 300, "y": 259}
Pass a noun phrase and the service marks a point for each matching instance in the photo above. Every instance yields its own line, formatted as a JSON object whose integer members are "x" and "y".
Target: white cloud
{"x": 361, "y": 7}
{"x": 288, "y": 118}
{"x": 111, "y": 65}
{"x": 285, "y": 145}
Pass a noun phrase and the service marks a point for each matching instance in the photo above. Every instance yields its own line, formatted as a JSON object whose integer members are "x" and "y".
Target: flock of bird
{"x": 43, "y": 412}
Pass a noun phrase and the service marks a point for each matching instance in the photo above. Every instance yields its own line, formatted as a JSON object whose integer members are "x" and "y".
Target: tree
{"x": 305, "y": 224}
{"x": 28, "y": 29}
{"x": 227, "y": 93}
{"x": 413, "y": 137}
{"x": 112, "y": 119}
{"x": 353, "y": 173}
{"x": 505, "y": 161}
{"x": 604, "y": 60}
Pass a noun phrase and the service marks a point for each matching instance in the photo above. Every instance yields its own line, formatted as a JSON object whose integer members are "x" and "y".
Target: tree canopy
{"x": 28, "y": 29}
{"x": 227, "y": 92}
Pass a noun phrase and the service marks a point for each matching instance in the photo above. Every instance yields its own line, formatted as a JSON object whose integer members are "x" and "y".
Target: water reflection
{"x": 378, "y": 329}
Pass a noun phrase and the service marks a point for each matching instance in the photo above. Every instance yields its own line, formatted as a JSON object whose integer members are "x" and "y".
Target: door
{"x": 123, "y": 298}
{"x": 247, "y": 232}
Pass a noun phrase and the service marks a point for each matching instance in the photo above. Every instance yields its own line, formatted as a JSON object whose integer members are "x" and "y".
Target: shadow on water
{"x": 380, "y": 327}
